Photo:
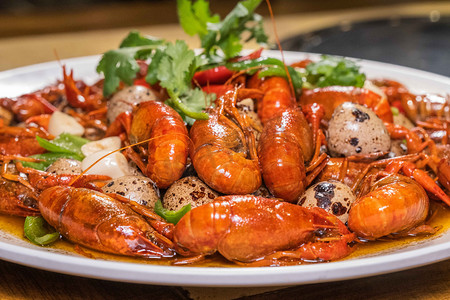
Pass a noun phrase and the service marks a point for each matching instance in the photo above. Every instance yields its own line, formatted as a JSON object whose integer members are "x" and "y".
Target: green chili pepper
{"x": 171, "y": 216}
{"x": 48, "y": 159}
{"x": 254, "y": 63}
{"x": 395, "y": 111}
{"x": 64, "y": 143}
{"x": 188, "y": 112}
{"x": 297, "y": 81}
{"x": 37, "y": 230}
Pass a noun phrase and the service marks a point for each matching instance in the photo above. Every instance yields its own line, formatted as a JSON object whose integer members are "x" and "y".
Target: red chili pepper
{"x": 221, "y": 74}
{"x": 142, "y": 82}
{"x": 218, "y": 74}
{"x": 218, "y": 89}
{"x": 254, "y": 55}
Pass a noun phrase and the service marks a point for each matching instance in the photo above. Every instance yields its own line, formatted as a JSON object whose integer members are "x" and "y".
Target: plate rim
{"x": 218, "y": 276}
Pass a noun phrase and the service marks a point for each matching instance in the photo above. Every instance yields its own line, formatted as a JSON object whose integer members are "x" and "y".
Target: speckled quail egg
{"x": 402, "y": 120}
{"x": 355, "y": 129}
{"x": 65, "y": 166}
{"x": 333, "y": 196}
{"x": 123, "y": 100}
{"x": 398, "y": 148}
{"x": 188, "y": 190}
{"x": 137, "y": 188}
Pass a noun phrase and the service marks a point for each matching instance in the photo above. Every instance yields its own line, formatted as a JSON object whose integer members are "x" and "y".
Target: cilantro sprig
{"x": 334, "y": 70}
{"x": 121, "y": 65}
{"x": 226, "y": 35}
{"x": 173, "y": 65}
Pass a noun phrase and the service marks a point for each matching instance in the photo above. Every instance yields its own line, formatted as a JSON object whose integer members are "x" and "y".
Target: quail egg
{"x": 137, "y": 188}
{"x": 188, "y": 190}
{"x": 333, "y": 196}
{"x": 123, "y": 100}
{"x": 355, "y": 129}
{"x": 402, "y": 120}
{"x": 65, "y": 166}
{"x": 398, "y": 148}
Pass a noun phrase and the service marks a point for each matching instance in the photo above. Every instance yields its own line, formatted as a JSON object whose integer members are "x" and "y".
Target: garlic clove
{"x": 110, "y": 143}
{"x": 114, "y": 165}
{"x": 61, "y": 122}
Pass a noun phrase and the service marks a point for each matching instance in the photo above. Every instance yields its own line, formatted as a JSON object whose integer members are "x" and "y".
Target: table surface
{"x": 19, "y": 282}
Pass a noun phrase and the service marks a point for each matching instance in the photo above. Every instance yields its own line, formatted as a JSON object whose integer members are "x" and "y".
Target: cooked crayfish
{"x": 165, "y": 158}
{"x": 396, "y": 204}
{"x": 21, "y": 141}
{"x": 97, "y": 221}
{"x": 223, "y": 152}
{"x": 285, "y": 144}
{"x": 333, "y": 96}
{"x": 259, "y": 231}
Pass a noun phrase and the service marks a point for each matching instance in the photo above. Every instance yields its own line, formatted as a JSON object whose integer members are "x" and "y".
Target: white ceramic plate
{"x": 13, "y": 249}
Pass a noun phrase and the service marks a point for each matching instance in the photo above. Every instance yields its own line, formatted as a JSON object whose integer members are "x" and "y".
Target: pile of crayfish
{"x": 278, "y": 147}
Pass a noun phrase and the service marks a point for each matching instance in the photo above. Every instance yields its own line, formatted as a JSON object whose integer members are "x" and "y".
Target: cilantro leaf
{"x": 225, "y": 35}
{"x": 120, "y": 64}
{"x": 333, "y": 70}
{"x": 192, "y": 104}
{"x": 194, "y": 16}
{"x": 135, "y": 39}
{"x": 174, "y": 67}
{"x": 232, "y": 27}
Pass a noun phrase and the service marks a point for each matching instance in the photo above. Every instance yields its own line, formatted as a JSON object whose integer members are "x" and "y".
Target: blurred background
{"x": 406, "y": 32}
{"x": 25, "y": 17}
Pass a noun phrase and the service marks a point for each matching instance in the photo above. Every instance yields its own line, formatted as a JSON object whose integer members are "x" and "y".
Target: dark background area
{"x": 31, "y": 17}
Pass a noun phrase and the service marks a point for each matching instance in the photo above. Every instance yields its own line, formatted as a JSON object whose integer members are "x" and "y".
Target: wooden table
{"x": 19, "y": 282}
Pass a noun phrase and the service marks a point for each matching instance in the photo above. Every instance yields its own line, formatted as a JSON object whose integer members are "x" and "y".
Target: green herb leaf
{"x": 170, "y": 215}
{"x": 191, "y": 105}
{"x": 38, "y": 231}
{"x": 135, "y": 39}
{"x": 174, "y": 67}
{"x": 226, "y": 35}
{"x": 195, "y": 16}
{"x": 332, "y": 70}
{"x": 120, "y": 64}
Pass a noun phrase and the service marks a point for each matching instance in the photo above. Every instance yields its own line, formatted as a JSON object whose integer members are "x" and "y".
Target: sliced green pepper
{"x": 171, "y": 216}
{"x": 38, "y": 231}
{"x": 48, "y": 159}
{"x": 64, "y": 143}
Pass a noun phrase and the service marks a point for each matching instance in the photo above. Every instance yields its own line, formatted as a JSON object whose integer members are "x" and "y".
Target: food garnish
{"x": 38, "y": 231}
